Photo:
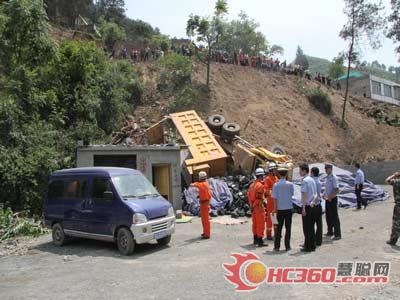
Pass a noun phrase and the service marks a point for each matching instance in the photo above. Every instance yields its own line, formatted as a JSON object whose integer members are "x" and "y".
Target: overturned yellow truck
{"x": 214, "y": 146}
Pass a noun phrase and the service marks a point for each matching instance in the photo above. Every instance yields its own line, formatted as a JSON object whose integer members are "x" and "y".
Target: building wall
{"x": 145, "y": 158}
{"x": 382, "y": 97}
{"x": 358, "y": 87}
{"x": 377, "y": 172}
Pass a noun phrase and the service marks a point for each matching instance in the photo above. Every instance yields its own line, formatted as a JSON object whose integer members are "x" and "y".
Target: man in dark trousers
{"x": 308, "y": 196}
{"x": 395, "y": 181}
{"x": 282, "y": 193}
{"x": 359, "y": 183}
{"x": 317, "y": 208}
{"x": 331, "y": 204}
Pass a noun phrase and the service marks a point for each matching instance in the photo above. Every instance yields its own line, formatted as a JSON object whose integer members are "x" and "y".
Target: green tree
{"x": 301, "y": 58}
{"x": 208, "y": 30}
{"x": 242, "y": 34}
{"x": 161, "y": 41}
{"x": 363, "y": 20}
{"x": 51, "y": 96}
{"x": 275, "y": 49}
{"x": 110, "y": 10}
{"x": 70, "y": 9}
{"x": 111, "y": 33}
{"x": 394, "y": 20}
{"x": 336, "y": 68}
{"x": 23, "y": 31}
{"x": 138, "y": 30}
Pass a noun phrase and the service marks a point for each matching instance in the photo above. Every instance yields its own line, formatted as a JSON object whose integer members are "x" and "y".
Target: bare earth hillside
{"x": 280, "y": 114}
{"x": 277, "y": 112}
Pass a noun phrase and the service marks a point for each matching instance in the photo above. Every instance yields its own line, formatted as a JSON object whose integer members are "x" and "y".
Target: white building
{"x": 370, "y": 86}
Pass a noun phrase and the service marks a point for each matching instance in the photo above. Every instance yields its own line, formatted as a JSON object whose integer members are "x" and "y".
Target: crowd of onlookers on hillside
{"x": 260, "y": 62}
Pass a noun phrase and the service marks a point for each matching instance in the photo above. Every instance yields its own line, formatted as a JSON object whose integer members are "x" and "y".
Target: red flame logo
{"x": 236, "y": 270}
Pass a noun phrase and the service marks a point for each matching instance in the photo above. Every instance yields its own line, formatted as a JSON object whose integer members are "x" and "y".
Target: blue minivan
{"x": 110, "y": 204}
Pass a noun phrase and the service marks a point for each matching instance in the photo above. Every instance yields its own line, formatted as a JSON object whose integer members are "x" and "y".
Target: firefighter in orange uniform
{"x": 270, "y": 180}
{"x": 255, "y": 195}
{"x": 205, "y": 198}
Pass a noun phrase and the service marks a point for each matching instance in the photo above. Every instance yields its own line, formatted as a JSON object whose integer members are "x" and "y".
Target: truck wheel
{"x": 125, "y": 241}
{"x": 229, "y": 130}
{"x": 278, "y": 149}
{"x": 58, "y": 235}
{"x": 164, "y": 241}
{"x": 215, "y": 123}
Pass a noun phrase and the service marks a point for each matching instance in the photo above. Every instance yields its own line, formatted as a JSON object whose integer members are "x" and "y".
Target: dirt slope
{"x": 280, "y": 114}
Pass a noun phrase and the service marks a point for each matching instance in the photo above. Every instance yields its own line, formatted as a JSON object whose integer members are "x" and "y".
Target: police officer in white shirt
{"x": 282, "y": 193}
{"x": 308, "y": 196}
{"x": 331, "y": 203}
{"x": 359, "y": 184}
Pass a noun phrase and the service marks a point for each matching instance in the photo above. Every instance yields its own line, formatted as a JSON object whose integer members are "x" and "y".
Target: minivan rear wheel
{"x": 58, "y": 235}
{"x": 125, "y": 241}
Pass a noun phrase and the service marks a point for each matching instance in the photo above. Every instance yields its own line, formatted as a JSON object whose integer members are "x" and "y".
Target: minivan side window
{"x": 75, "y": 189}
{"x": 101, "y": 185}
{"x": 56, "y": 189}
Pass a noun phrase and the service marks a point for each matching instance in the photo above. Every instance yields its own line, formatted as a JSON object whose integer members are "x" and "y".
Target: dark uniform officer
{"x": 395, "y": 181}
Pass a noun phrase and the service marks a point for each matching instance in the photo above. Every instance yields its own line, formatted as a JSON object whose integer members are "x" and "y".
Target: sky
{"x": 312, "y": 24}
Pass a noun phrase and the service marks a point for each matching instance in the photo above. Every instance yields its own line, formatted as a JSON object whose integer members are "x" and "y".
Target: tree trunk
{"x": 346, "y": 94}
{"x": 208, "y": 64}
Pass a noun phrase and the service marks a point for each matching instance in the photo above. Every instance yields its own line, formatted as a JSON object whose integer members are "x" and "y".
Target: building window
{"x": 387, "y": 90}
{"x": 376, "y": 88}
{"x": 396, "y": 90}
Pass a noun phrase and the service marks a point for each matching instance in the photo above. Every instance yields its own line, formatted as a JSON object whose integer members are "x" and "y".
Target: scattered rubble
{"x": 383, "y": 113}
{"x": 130, "y": 133}
{"x": 229, "y": 197}
{"x": 17, "y": 247}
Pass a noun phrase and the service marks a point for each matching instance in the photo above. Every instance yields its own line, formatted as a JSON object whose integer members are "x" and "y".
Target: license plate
{"x": 160, "y": 235}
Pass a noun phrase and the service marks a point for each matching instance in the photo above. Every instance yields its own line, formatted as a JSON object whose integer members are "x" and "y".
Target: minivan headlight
{"x": 171, "y": 212}
{"x": 139, "y": 219}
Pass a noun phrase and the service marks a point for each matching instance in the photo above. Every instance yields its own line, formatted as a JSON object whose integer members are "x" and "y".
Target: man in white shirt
{"x": 282, "y": 193}
{"x": 331, "y": 203}
{"x": 308, "y": 196}
{"x": 317, "y": 208}
{"x": 359, "y": 184}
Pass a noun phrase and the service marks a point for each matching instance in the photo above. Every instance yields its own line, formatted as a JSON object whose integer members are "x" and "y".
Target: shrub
{"x": 175, "y": 72}
{"x": 184, "y": 99}
{"x": 320, "y": 100}
{"x": 14, "y": 225}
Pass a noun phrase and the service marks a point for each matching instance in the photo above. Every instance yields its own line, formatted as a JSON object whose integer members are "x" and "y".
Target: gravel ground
{"x": 192, "y": 269}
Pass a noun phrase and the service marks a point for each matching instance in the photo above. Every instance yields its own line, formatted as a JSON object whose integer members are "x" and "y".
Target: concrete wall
{"x": 377, "y": 172}
{"x": 359, "y": 87}
{"x": 146, "y": 156}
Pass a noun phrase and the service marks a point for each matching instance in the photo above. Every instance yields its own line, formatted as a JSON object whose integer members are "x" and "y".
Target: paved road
{"x": 191, "y": 269}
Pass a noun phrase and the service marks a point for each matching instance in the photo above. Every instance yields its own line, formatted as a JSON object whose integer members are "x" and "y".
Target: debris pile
{"x": 229, "y": 197}
{"x": 131, "y": 133}
{"x": 382, "y": 116}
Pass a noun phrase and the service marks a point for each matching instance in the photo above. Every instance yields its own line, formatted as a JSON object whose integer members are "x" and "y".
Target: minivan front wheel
{"x": 58, "y": 235}
{"x": 125, "y": 241}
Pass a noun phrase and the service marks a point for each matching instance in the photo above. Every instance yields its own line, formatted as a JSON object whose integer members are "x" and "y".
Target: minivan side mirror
{"x": 108, "y": 196}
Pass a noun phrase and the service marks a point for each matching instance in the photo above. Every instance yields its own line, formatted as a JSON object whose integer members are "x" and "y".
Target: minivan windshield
{"x": 134, "y": 186}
